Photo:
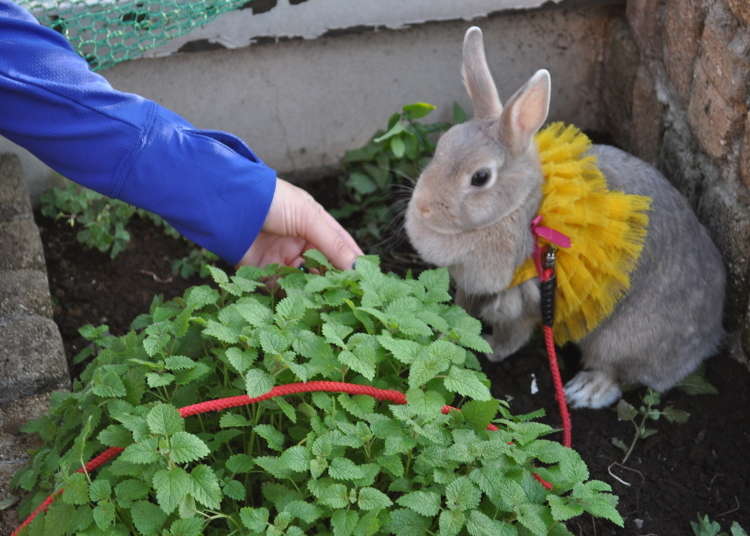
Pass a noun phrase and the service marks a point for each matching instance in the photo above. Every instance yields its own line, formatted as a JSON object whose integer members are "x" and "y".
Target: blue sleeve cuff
{"x": 209, "y": 185}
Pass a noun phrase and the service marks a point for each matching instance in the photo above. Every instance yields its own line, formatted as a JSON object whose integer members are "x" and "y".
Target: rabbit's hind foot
{"x": 592, "y": 389}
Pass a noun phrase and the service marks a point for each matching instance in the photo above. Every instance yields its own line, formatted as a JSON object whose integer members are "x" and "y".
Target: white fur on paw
{"x": 592, "y": 389}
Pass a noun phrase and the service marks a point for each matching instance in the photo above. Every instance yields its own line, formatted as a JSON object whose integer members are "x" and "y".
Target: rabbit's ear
{"x": 477, "y": 77}
{"x": 526, "y": 112}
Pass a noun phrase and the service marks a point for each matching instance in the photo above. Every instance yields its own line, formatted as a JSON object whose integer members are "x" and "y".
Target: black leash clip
{"x": 547, "y": 286}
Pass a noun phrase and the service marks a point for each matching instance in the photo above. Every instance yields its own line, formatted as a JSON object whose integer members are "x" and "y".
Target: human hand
{"x": 296, "y": 223}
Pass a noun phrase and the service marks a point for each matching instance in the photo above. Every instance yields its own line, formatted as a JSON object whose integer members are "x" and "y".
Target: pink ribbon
{"x": 550, "y": 235}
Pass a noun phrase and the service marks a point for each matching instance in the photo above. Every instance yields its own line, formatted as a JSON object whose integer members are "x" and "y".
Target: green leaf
{"x": 329, "y": 493}
{"x": 480, "y": 524}
{"x": 158, "y": 380}
{"x": 76, "y": 489}
{"x": 205, "y": 486}
{"x": 147, "y": 518}
{"x": 234, "y": 489}
{"x": 104, "y": 515}
{"x": 179, "y": 362}
{"x": 451, "y": 522}
{"x": 273, "y": 437}
{"x": 406, "y": 522}
{"x": 737, "y": 530}
{"x": 625, "y": 411}
{"x": 255, "y": 313}
{"x": 398, "y": 147}
{"x": 343, "y": 522}
{"x": 480, "y": 413}
{"x": 675, "y": 415}
{"x": 296, "y": 458}
{"x": 418, "y": 110}
{"x": 697, "y": 384}
{"x": 426, "y": 503}
{"x": 459, "y": 115}
{"x": 467, "y": 383}
{"x": 396, "y": 129}
{"x": 201, "y": 296}
{"x": 604, "y": 505}
{"x": 317, "y": 258}
{"x": 358, "y": 364}
{"x": 171, "y": 487}
{"x": 164, "y": 419}
{"x": 563, "y": 509}
{"x": 305, "y": 511}
{"x": 100, "y": 490}
{"x": 425, "y": 367}
{"x": 240, "y": 463}
{"x": 115, "y": 435}
{"x": 218, "y": 275}
{"x": 233, "y": 420}
{"x": 257, "y": 382}
{"x": 239, "y": 359}
{"x": 531, "y": 517}
{"x": 106, "y": 383}
{"x": 142, "y": 452}
{"x": 344, "y": 469}
{"x": 405, "y": 351}
{"x": 130, "y": 490}
{"x": 221, "y": 332}
{"x": 191, "y": 526}
{"x": 186, "y": 447}
{"x": 255, "y": 519}
{"x": 361, "y": 183}
{"x": 462, "y": 494}
{"x": 373, "y": 499}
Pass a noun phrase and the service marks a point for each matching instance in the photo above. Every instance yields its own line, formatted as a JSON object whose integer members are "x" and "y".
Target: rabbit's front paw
{"x": 592, "y": 389}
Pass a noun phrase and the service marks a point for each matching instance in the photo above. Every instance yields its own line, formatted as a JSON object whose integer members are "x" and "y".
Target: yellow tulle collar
{"x": 607, "y": 231}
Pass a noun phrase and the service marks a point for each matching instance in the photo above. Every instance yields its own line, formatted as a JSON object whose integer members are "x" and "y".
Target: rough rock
{"x": 24, "y": 292}
{"x": 20, "y": 245}
{"x": 683, "y": 23}
{"x": 14, "y": 201}
{"x": 32, "y": 359}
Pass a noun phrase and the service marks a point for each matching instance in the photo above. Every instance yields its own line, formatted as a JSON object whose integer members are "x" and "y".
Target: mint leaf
{"x": 164, "y": 419}
{"x": 462, "y": 494}
{"x": 115, "y": 435}
{"x": 425, "y": 367}
{"x": 100, "y": 490}
{"x": 142, "y": 452}
{"x": 187, "y": 447}
{"x": 234, "y": 489}
{"x": 233, "y": 420}
{"x": 344, "y": 522}
{"x": 240, "y": 463}
{"x": 373, "y": 499}
{"x": 239, "y": 359}
{"x": 480, "y": 413}
{"x": 451, "y": 522}
{"x": 344, "y": 469}
{"x": 426, "y": 503}
{"x": 255, "y": 519}
{"x": 171, "y": 487}
{"x": 147, "y": 518}
{"x": 76, "y": 490}
{"x": 191, "y": 526}
{"x": 467, "y": 383}
{"x": 179, "y": 362}
{"x": 205, "y": 486}
{"x": 257, "y": 382}
{"x": 480, "y": 524}
{"x": 104, "y": 515}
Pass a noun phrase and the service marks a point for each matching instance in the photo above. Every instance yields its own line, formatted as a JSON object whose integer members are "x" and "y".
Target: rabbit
{"x": 471, "y": 209}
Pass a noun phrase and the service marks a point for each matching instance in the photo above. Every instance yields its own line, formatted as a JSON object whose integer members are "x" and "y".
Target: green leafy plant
{"x": 103, "y": 224}
{"x": 706, "y": 527}
{"x": 319, "y": 463}
{"x": 392, "y": 159}
{"x": 648, "y": 410}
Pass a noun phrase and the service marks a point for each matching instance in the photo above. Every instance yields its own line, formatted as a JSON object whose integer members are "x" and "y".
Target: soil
{"x": 700, "y": 466}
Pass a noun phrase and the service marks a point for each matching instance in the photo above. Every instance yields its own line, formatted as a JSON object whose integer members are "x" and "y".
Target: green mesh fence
{"x": 106, "y": 32}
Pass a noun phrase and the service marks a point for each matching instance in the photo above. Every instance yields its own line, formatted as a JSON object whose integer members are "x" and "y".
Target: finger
{"x": 325, "y": 233}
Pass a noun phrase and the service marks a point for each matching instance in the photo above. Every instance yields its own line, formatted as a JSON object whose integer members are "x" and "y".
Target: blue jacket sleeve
{"x": 208, "y": 184}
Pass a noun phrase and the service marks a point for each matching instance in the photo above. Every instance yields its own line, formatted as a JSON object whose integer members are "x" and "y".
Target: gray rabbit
{"x": 471, "y": 209}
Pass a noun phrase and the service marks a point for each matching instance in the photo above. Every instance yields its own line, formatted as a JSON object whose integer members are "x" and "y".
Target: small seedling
{"x": 647, "y": 411}
{"x": 706, "y": 527}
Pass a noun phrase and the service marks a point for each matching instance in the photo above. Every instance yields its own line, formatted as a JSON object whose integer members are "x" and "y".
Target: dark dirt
{"x": 685, "y": 469}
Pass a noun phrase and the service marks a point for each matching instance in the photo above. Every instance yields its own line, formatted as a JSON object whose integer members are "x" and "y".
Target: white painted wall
{"x": 302, "y": 103}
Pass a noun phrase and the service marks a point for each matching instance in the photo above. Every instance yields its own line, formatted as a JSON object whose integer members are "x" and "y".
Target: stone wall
{"x": 32, "y": 360}
{"x": 675, "y": 92}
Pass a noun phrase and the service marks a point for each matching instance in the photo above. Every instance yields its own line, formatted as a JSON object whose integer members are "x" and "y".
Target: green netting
{"x": 106, "y": 32}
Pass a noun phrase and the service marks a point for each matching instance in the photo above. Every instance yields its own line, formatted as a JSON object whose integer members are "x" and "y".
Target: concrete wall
{"x": 300, "y": 103}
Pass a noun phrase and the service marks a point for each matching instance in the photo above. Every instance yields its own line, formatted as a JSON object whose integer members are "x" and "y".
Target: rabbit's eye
{"x": 480, "y": 177}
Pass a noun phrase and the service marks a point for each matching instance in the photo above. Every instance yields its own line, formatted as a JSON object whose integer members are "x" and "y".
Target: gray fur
{"x": 658, "y": 333}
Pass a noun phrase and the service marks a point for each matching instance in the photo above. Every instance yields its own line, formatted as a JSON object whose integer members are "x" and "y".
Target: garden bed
{"x": 700, "y": 466}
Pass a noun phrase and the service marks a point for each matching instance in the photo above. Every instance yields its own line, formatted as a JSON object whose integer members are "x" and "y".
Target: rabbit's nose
{"x": 423, "y": 207}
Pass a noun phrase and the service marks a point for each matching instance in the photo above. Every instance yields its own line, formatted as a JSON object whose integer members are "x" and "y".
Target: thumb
{"x": 294, "y": 212}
